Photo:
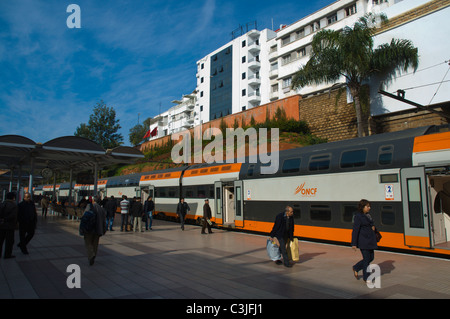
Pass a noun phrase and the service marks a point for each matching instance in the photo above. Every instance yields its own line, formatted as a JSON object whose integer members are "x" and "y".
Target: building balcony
{"x": 254, "y": 97}
{"x": 254, "y": 64}
{"x": 254, "y": 47}
{"x": 273, "y": 73}
{"x": 254, "y": 80}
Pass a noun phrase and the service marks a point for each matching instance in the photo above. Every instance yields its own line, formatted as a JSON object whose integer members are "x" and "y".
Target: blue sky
{"x": 133, "y": 55}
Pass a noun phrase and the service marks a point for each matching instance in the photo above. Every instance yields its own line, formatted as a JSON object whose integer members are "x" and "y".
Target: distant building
{"x": 257, "y": 67}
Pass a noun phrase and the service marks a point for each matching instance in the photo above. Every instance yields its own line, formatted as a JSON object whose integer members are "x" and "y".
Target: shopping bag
{"x": 293, "y": 250}
{"x": 273, "y": 251}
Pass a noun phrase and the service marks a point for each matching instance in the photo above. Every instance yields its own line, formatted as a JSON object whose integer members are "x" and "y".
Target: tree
{"x": 102, "y": 127}
{"x": 138, "y": 131}
{"x": 349, "y": 53}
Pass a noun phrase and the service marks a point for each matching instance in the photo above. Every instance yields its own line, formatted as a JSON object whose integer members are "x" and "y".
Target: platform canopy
{"x": 63, "y": 154}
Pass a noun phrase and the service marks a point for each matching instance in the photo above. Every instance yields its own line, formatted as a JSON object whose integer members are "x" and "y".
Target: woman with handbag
{"x": 363, "y": 237}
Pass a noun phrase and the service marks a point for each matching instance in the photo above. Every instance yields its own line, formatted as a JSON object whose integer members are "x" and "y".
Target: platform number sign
{"x": 389, "y": 192}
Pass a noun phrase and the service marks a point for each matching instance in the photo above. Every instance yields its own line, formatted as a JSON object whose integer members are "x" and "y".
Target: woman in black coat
{"x": 363, "y": 237}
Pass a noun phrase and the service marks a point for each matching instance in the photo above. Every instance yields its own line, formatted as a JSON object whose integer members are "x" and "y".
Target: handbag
{"x": 293, "y": 250}
{"x": 273, "y": 251}
{"x": 377, "y": 235}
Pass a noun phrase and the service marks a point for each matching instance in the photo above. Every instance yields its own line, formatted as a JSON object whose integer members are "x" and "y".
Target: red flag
{"x": 146, "y": 135}
{"x": 154, "y": 132}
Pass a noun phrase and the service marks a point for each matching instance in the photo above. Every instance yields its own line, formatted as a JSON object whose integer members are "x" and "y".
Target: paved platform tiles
{"x": 167, "y": 263}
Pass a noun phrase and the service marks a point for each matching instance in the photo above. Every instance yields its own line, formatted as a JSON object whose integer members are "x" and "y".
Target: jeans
{"x": 149, "y": 220}
{"x": 124, "y": 221}
{"x": 368, "y": 256}
{"x": 109, "y": 222}
{"x": 283, "y": 250}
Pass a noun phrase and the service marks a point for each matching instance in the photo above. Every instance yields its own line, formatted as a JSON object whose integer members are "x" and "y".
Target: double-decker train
{"x": 405, "y": 175}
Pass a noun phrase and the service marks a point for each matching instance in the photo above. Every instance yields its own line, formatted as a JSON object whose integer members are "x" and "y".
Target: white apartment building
{"x": 235, "y": 77}
{"x": 292, "y": 47}
{"x": 257, "y": 67}
{"x": 182, "y": 116}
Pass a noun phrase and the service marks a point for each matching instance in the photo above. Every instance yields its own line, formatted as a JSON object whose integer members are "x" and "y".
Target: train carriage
{"x": 164, "y": 186}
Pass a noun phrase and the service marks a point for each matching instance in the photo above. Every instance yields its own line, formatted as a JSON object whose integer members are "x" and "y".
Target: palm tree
{"x": 349, "y": 53}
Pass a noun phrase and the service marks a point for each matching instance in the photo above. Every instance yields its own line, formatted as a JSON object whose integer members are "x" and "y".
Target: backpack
{"x": 88, "y": 222}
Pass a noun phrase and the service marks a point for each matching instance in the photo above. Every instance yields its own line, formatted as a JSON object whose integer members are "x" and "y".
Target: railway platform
{"x": 167, "y": 263}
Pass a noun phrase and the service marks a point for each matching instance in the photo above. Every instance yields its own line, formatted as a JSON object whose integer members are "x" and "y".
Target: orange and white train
{"x": 405, "y": 175}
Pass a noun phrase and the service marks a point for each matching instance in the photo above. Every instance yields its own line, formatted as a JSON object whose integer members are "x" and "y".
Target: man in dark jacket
{"x": 282, "y": 232}
{"x": 8, "y": 220}
{"x": 91, "y": 239}
{"x": 182, "y": 210}
{"x": 137, "y": 211}
{"x": 111, "y": 208}
{"x": 27, "y": 217}
{"x": 206, "y": 217}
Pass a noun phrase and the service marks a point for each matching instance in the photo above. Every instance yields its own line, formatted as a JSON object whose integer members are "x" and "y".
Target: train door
{"x": 439, "y": 199}
{"x": 146, "y": 192}
{"x": 218, "y": 203}
{"x": 415, "y": 208}
{"x": 238, "y": 204}
{"x": 229, "y": 206}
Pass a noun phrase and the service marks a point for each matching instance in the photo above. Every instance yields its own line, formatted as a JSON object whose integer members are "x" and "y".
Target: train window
{"x": 291, "y": 165}
{"x": 201, "y": 191}
{"x": 250, "y": 170}
{"x": 320, "y": 212}
{"x": 189, "y": 192}
{"x": 172, "y": 192}
{"x": 211, "y": 191}
{"x": 297, "y": 212}
{"x": 355, "y": 158}
{"x": 387, "y": 215}
{"x": 348, "y": 212}
{"x": 388, "y": 178}
{"x": 162, "y": 191}
{"x": 385, "y": 154}
{"x": 319, "y": 162}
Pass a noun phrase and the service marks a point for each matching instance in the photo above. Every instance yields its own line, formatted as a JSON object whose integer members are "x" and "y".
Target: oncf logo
{"x": 306, "y": 191}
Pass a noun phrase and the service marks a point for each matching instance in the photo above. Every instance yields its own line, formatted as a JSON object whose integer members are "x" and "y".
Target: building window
{"x": 243, "y": 108}
{"x": 287, "y": 82}
{"x": 332, "y": 19}
{"x": 243, "y": 59}
{"x": 203, "y": 66}
{"x": 201, "y": 80}
{"x": 244, "y": 92}
{"x": 243, "y": 43}
{"x": 350, "y": 10}
{"x": 243, "y": 75}
{"x": 201, "y": 94}
{"x": 201, "y": 108}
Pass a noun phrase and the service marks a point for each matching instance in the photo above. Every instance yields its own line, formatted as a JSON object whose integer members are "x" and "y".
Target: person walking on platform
{"x": 92, "y": 238}
{"x": 27, "y": 217}
{"x": 149, "y": 207}
{"x": 182, "y": 210}
{"x": 363, "y": 237}
{"x": 111, "y": 208}
{"x": 282, "y": 232}
{"x": 206, "y": 217}
{"x": 8, "y": 221}
{"x": 124, "y": 209}
{"x": 137, "y": 212}
{"x": 44, "y": 204}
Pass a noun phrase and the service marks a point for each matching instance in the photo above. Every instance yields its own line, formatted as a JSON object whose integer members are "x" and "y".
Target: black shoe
{"x": 91, "y": 261}
{"x": 278, "y": 262}
{"x": 288, "y": 265}
{"x": 23, "y": 248}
